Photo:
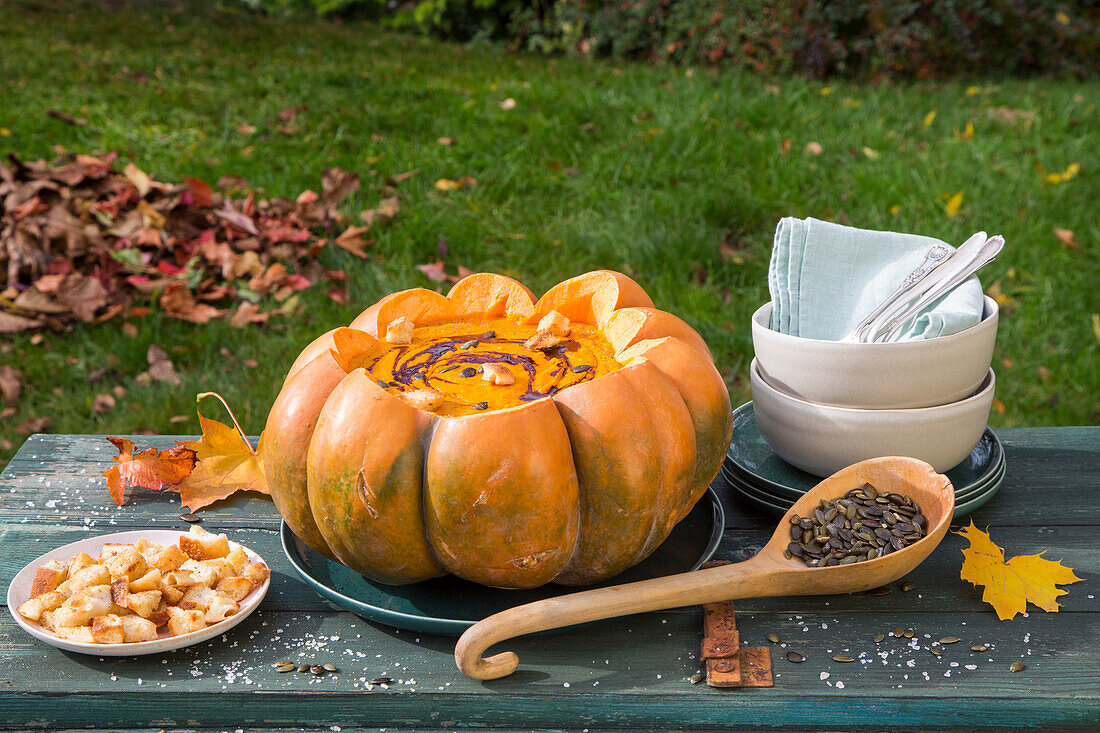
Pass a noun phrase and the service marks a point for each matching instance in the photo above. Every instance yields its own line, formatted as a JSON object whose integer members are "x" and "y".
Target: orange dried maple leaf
{"x": 1009, "y": 586}
{"x": 151, "y": 469}
{"x": 225, "y": 462}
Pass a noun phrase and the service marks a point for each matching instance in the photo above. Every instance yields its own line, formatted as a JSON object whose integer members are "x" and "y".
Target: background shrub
{"x": 854, "y": 38}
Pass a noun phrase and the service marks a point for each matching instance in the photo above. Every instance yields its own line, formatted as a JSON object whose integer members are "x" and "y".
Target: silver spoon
{"x": 962, "y": 266}
{"x": 910, "y": 287}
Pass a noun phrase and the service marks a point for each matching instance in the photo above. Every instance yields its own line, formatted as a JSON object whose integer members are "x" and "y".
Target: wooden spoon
{"x": 766, "y": 574}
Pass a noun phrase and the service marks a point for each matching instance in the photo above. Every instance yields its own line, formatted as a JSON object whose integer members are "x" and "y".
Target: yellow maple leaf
{"x": 1069, "y": 173}
{"x": 954, "y": 203}
{"x": 225, "y": 462}
{"x": 1009, "y": 586}
{"x": 929, "y": 118}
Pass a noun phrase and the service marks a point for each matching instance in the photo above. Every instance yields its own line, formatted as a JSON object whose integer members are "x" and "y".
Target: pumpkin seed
{"x": 285, "y": 667}
{"x": 581, "y": 368}
{"x": 697, "y": 678}
{"x": 936, "y": 649}
{"x": 1017, "y": 666}
{"x": 468, "y": 372}
{"x": 843, "y": 658}
{"x": 908, "y": 586}
{"x": 466, "y": 345}
{"x": 381, "y": 681}
{"x": 329, "y": 667}
{"x": 795, "y": 657}
{"x": 317, "y": 670}
{"x": 191, "y": 517}
{"x": 880, "y": 591}
{"x": 303, "y": 667}
{"x": 795, "y": 549}
{"x": 979, "y": 648}
{"x": 488, "y": 335}
{"x": 773, "y": 638}
{"x": 950, "y": 640}
{"x": 481, "y": 406}
{"x": 898, "y": 631}
{"x": 879, "y": 638}
{"x": 382, "y": 383}
{"x": 908, "y": 634}
{"x": 787, "y": 554}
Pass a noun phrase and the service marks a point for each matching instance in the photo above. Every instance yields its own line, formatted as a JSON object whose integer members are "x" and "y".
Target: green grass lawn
{"x": 674, "y": 176}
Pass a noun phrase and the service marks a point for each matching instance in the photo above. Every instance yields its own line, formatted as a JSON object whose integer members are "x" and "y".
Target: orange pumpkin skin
{"x": 572, "y": 488}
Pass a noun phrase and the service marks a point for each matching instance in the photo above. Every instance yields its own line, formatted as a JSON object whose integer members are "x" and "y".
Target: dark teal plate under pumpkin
{"x": 752, "y": 460}
{"x": 450, "y": 605}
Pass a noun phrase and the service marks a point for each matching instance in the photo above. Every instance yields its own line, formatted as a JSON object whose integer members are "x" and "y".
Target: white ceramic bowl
{"x": 822, "y": 439}
{"x": 924, "y": 373}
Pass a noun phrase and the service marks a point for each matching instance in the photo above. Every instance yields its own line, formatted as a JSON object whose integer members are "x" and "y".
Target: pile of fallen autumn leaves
{"x": 82, "y": 241}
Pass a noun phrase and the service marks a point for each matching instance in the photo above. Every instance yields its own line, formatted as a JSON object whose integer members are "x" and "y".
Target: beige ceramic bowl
{"x": 935, "y": 371}
{"x": 823, "y": 439}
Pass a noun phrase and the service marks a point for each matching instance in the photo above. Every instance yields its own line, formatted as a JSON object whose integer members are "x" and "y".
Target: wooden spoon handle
{"x": 756, "y": 577}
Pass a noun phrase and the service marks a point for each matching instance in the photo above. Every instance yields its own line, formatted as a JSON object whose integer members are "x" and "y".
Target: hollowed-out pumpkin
{"x": 507, "y": 441}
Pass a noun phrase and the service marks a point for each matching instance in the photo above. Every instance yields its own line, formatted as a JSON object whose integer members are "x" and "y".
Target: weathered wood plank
{"x": 939, "y": 588}
{"x": 1053, "y": 463}
{"x": 615, "y": 681}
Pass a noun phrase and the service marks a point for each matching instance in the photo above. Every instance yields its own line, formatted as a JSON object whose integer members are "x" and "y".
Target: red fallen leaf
{"x": 434, "y": 271}
{"x": 297, "y": 282}
{"x": 306, "y": 197}
{"x": 49, "y": 283}
{"x": 340, "y": 295}
{"x": 33, "y": 425}
{"x": 246, "y": 314}
{"x": 204, "y": 195}
{"x": 289, "y": 114}
{"x": 337, "y": 184}
{"x": 83, "y": 296}
{"x": 229, "y": 214}
{"x": 400, "y": 177}
{"x": 387, "y": 209}
{"x": 337, "y": 275}
{"x": 150, "y": 469}
{"x": 170, "y": 268}
{"x": 16, "y": 324}
{"x": 103, "y": 403}
{"x": 31, "y": 206}
{"x": 245, "y": 129}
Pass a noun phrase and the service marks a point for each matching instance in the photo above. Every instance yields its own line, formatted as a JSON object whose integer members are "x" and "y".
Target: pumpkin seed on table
{"x": 843, "y": 658}
{"x": 979, "y": 648}
{"x": 908, "y": 586}
{"x": 329, "y": 667}
{"x": 697, "y": 678}
{"x": 285, "y": 667}
{"x": 303, "y": 667}
{"x": 950, "y": 640}
{"x": 317, "y": 670}
{"x": 191, "y": 517}
{"x": 380, "y": 681}
{"x": 1017, "y": 666}
{"x": 882, "y": 590}
{"x": 879, "y": 637}
{"x": 795, "y": 657}
{"x": 773, "y": 638}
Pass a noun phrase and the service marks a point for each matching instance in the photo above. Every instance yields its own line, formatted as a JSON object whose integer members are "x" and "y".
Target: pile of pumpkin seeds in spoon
{"x": 861, "y": 525}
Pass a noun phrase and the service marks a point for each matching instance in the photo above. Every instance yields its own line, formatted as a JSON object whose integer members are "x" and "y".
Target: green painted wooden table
{"x": 626, "y": 674}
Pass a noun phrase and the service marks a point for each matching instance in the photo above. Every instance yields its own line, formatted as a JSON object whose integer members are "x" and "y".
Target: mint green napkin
{"x": 825, "y": 278}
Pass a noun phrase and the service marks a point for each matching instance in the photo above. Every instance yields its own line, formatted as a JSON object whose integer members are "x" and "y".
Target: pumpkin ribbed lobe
{"x": 501, "y": 504}
{"x": 366, "y": 467}
{"x": 489, "y": 295}
{"x": 592, "y": 297}
{"x": 418, "y": 305}
{"x": 627, "y": 326}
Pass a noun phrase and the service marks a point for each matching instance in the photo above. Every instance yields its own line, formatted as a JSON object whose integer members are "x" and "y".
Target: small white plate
{"x": 20, "y": 590}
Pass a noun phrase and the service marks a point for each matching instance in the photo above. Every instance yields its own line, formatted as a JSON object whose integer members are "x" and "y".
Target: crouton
{"x": 159, "y": 617}
{"x": 235, "y": 588}
{"x": 220, "y": 609}
{"x": 399, "y": 331}
{"x": 82, "y": 559}
{"x": 221, "y": 567}
{"x": 149, "y": 581}
{"x": 170, "y": 594}
{"x": 136, "y": 628}
{"x": 555, "y": 323}
{"x": 46, "y": 620}
{"x": 35, "y": 607}
{"x": 120, "y": 591}
{"x": 257, "y": 572}
{"x": 48, "y": 577}
{"x": 82, "y": 634}
{"x": 181, "y": 621}
{"x": 86, "y": 577}
{"x": 126, "y": 561}
{"x": 202, "y": 545}
{"x": 83, "y": 606}
{"x": 167, "y": 559}
{"x": 144, "y": 603}
{"x": 202, "y": 573}
{"x": 238, "y": 558}
{"x": 107, "y": 629}
{"x": 197, "y": 597}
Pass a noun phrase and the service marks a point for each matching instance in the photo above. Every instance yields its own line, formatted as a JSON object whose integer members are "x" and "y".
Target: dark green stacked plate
{"x": 761, "y": 477}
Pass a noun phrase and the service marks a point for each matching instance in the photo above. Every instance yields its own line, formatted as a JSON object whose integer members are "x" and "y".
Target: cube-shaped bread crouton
{"x": 167, "y": 559}
{"x": 35, "y": 607}
{"x": 149, "y": 581}
{"x": 120, "y": 591}
{"x": 107, "y": 629}
{"x": 220, "y": 609}
{"x": 111, "y": 549}
{"x": 238, "y": 558}
{"x": 83, "y": 606}
{"x": 159, "y": 617}
{"x": 143, "y": 544}
{"x": 197, "y": 597}
{"x": 221, "y": 567}
{"x": 144, "y": 603}
{"x": 171, "y": 594}
{"x": 235, "y": 588}
{"x": 82, "y": 634}
{"x": 555, "y": 323}
{"x": 180, "y": 578}
{"x": 202, "y": 573}
{"x": 184, "y": 621}
{"x": 257, "y": 572}
{"x": 128, "y": 562}
{"x": 48, "y": 577}
{"x": 136, "y": 628}
{"x": 81, "y": 560}
{"x": 86, "y": 577}
{"x": 46, "y": 620}
{"x": 202, "y": 545}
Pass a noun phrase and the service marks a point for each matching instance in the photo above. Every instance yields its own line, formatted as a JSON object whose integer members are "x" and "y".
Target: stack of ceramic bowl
{"x": 823, "y": 405}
